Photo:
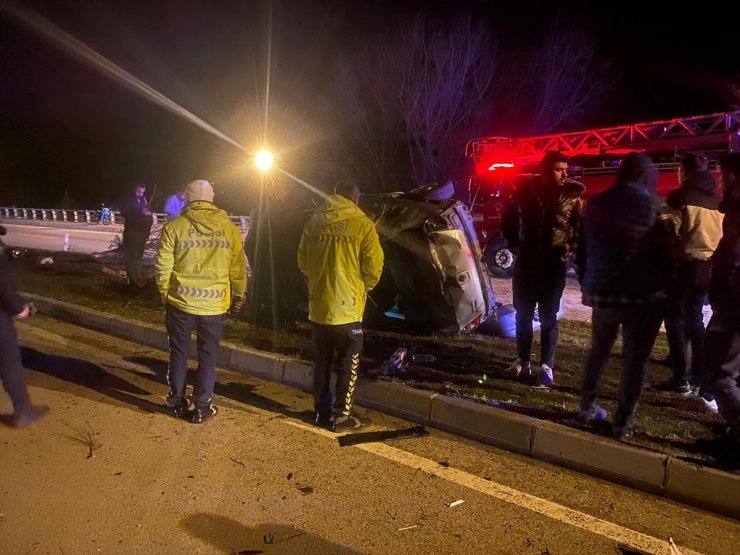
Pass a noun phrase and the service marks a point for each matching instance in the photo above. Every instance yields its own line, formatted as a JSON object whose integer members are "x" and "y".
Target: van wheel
{"x": 499, "y": 258}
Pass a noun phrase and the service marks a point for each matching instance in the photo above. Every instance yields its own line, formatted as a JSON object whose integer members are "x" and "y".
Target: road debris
{"x": 408, "y": 527}
{"x": 674, "y": 548}
{"x": 235, "y": 461}
{"x": 371, "y": 437}
{"x": 305, "y": 490}
{"x": 455, "y": 503}
{"x": 289, "y": 476}
{"x": 396, "y": 363}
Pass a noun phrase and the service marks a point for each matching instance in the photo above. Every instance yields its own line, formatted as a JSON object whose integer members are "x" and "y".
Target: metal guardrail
{"x": 86, "y": 216}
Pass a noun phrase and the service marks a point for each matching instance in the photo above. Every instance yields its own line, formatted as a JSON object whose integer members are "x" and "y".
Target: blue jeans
{"x": 640, "y": 325}
{"x": 209, "y": 329}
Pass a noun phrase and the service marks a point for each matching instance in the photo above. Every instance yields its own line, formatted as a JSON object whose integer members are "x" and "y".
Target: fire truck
{"x": 499, "y": 162}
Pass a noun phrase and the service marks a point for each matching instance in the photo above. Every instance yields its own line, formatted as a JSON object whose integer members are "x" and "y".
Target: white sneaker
{"x": 517, "y": 369}
{"x": 700, "y": 404}
{"x": 544, "y": 377}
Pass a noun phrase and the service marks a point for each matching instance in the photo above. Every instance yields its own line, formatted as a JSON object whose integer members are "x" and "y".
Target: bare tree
{"x": 570, "y": 77}
{"x": 734, "y": 87}
{"x": 542, "y": 87}
{"x": 412, "y": 89}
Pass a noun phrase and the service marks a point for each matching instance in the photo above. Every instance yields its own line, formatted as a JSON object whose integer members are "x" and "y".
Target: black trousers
{"x": 209, "y": 330}
{"x": 684, "y": 322}
{"x": 640, "y": 325}
{"x": 541, "y": 289}
{"x": 11, "y": 366}
{"x": 345, "y": 343}
{"x": 134, "y": 243}
{"x": 723, "y": 362}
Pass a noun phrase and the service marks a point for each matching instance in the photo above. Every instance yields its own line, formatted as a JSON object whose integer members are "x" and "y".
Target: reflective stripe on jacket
{"x": 341, "y": 256}
{"x": 201, "y": 261}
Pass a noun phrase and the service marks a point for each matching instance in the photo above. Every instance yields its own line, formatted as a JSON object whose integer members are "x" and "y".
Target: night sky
{"x": 66, "y": 127}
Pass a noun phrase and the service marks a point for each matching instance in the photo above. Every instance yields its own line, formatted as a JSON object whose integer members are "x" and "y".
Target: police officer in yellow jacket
{"x": 340, "y": 254}
{"x": 201, "y": 271}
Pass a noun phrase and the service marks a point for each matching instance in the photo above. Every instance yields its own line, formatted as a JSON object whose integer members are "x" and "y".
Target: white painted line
{"x": 619, "y": 534}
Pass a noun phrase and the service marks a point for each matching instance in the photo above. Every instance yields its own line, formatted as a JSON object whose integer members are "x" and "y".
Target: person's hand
{"x": 238, "y": 304}
{"x": 25, "y": 313}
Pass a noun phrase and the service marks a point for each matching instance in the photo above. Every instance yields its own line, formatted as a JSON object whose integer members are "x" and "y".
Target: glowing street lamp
{"x": 263, "y": 160}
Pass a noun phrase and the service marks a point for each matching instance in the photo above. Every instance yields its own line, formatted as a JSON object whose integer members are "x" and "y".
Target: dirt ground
{"x": 466, "y": 366}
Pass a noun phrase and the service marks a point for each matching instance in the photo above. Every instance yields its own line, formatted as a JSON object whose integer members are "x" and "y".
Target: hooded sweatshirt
{"x": 201, "y": 261}
{"x": 341, "y": 256}
{"x": 694, "y": 209}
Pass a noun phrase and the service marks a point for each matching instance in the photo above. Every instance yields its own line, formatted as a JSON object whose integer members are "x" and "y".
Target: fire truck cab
{"x": 501, "y": 162}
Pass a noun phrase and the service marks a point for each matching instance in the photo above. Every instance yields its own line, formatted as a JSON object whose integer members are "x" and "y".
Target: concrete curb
{"x": 601, "y": 457}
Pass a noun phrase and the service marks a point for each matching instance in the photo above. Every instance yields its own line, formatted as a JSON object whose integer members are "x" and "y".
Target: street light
{"x": 263, "y": 160}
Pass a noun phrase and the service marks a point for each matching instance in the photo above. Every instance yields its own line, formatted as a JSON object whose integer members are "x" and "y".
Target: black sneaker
{"x": 323, "y": 420}
{"x": 201, "y": 415}
{"x": 180, "y": 410}
{"x": 347, "y": 424}
{"x": 622, "y": 433}
{"x": 673, "y": 387}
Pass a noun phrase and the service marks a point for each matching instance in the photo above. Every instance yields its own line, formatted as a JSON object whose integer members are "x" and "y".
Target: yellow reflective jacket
{"x": 201, "y": 261}
{"x": 340, "y": 254}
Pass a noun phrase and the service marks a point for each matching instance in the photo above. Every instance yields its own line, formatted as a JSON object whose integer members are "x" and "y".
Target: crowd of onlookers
{"x": 641, "y": 260}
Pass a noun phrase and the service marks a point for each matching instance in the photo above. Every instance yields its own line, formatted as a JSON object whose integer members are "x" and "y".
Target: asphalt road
{"x": 82, "y": 238}
{"x": 259, "y": 478}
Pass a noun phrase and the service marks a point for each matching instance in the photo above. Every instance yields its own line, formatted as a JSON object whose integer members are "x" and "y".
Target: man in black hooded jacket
{"x": 11, "y": 367}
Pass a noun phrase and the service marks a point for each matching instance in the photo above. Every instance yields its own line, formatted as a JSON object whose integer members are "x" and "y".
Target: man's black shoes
{"x": 201, "y": 415}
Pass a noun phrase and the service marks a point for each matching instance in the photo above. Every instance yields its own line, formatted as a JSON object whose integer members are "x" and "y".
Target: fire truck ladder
{"x": 720, "y": 130}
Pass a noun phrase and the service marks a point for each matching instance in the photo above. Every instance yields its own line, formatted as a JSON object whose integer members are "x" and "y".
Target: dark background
{"x": 66, "y": 128}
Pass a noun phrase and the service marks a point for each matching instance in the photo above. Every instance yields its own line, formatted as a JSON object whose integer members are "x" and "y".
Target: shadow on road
{"x": 89, "y": 376}
{"x": 234, "y": 537}
{"x": 235, "y": 391}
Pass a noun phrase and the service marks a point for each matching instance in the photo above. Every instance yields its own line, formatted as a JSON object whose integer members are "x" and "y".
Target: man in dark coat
{"x": 622, "y": 268}
{"x": 136, "y": 229}
{"x": 539, "y": 225}
{"x": 723, "y": 332}
{"x": 11, "y": 367}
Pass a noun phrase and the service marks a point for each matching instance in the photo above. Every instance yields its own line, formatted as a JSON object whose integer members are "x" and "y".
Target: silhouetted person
{"x": 136, "y": 228}
{"x": 723, "y": 332}
{"x": 11, "y": 366}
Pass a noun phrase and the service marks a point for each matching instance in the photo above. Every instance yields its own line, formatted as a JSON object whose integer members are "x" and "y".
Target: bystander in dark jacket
{"x": 539, "y": 225}
{"x": 723, "y": 332}
{"x": 622, "y": 268}
{"x": 11, "y": 367}
{"x": 136, "y": 228}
